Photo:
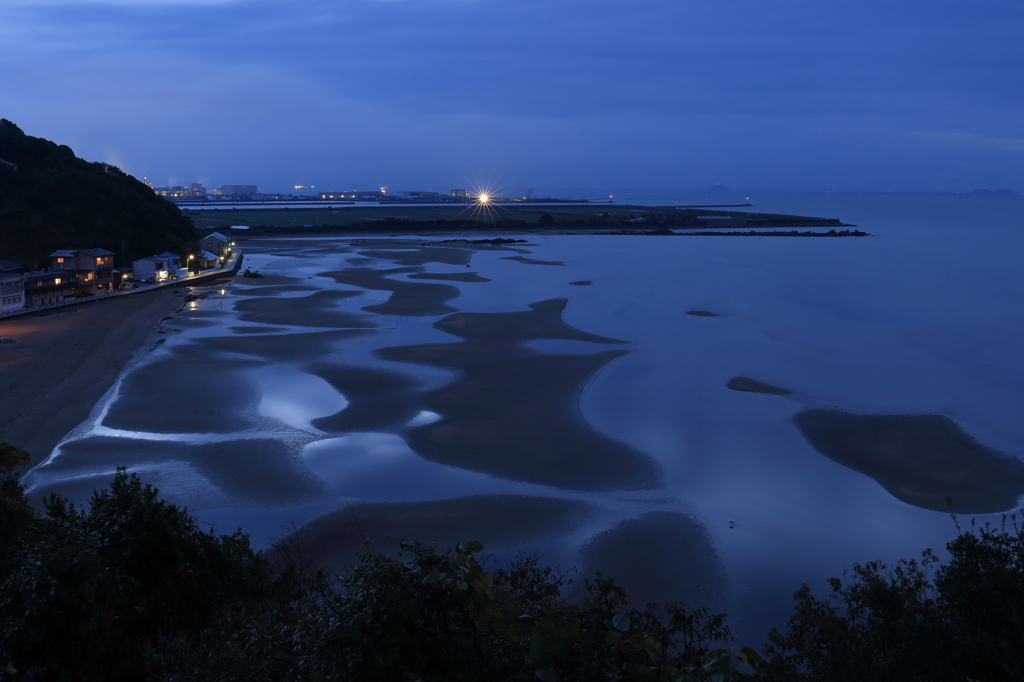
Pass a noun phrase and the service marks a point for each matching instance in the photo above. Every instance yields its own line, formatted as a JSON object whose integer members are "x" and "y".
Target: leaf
{"x": 621, "y": 622}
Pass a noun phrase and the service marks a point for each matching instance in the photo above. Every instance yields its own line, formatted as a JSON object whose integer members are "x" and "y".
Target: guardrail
{"x": 227, "y": 270}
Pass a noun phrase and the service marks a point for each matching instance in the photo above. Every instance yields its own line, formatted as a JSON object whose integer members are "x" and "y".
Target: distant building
{"x": 93, "y": 269}
{"x": 196, "y": 189}
{"x": 460, "y": 193}
{"x": 216, "y": 243}
{"x": 12, "y": 291}
{"x": 236, "y": 191}
{"x": 52, "y": 286}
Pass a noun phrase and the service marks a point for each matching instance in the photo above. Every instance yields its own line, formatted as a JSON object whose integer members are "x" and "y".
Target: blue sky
{"x": 792, "y": 94}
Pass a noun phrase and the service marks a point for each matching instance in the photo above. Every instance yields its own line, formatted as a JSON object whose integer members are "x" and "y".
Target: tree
{"x": 882, "y": 624}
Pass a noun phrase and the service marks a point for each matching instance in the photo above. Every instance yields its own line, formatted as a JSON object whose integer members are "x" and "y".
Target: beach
{"x": 715, "y": 421}
{"x": 62, "y": 362}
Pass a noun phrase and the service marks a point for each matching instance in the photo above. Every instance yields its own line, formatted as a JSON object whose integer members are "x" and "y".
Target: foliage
{"x": 881, "y": 624}
{"x": 129, "y": 587}
{"x": 50, "y": 199}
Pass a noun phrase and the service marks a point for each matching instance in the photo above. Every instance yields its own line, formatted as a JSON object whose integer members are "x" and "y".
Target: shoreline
{"x": 62, "y": 362}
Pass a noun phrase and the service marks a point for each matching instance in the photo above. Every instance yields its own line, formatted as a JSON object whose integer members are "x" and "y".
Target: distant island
{"x": 999, "y": 192}
{"x": 717, "y": 188}
{"x": 50, "y": 199}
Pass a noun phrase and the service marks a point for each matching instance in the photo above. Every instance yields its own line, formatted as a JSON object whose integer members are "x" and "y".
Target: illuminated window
{"x": 88, "y": 277}
{"x": 60, "y": 260}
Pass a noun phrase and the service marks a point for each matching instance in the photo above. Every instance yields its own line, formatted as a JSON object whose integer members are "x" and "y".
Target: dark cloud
{"x": 860, "y": 95}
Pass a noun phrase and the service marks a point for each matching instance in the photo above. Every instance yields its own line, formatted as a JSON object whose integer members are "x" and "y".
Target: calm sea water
{"x": 924, "y": 317}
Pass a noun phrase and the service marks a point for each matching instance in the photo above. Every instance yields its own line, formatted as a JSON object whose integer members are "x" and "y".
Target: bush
{"x": 881, "y": 624}
{"x": 129, "y": 587}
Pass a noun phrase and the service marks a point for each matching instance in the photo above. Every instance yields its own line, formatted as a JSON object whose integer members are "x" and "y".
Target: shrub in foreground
{"x": 129, "y": 587}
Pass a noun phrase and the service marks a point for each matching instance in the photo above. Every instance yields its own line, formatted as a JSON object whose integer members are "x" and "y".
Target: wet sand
{"x": 451, "y": 276}
{"x": 64, "y": 361}
{"x": 660, "y": 557}
{"x": 378, "y": 400}
{"x": 514, "y": 412}
{"x": 924, "y": 460}
{"x": 533, "y": 261}
{"x": 748, "y": 385}
{"x": 259, "y": 472}
{"x": 186, "y": 392}
{"x": 284, "y": 347}
{"x": 415, "y": 253}
{"x": 407, "y": 298}
{"x": 498, "y": 521}
{"x": 316, "y": 310}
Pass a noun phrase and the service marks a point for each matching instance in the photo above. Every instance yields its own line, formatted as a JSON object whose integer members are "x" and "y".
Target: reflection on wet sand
{"x": 514, "y": 412}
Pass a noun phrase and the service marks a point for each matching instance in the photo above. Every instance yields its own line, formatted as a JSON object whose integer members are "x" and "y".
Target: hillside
{"x": 50, "y": 199}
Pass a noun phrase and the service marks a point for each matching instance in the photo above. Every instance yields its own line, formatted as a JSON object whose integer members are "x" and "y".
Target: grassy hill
{"x": 50, "y": 199}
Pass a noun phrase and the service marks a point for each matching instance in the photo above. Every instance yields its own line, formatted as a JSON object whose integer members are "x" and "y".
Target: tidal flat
{"x": 600, "y": 424}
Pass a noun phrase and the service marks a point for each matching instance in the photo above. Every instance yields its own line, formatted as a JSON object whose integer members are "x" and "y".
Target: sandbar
{"x": 407, "y": 298}
{"x": 702, "y": 313}
{"x": 533, "y": 261}
{"x": 924, "y": 460}
{"x": 498, "y": 521}
{"x": 64, "y": 361}
{"x": 748, "y": 385}
{"x": 315, "y": 310}
{"x": 661, "y": 556}
{"x": 186, "y": 392}
{"x": 261, "y": 471}
{"x": 287, "y": 347}
{"x": 451, "y": 276}
{"x": 274, "y": 290}
{"x": 378, "y": 400}
{"x": 514, "y": 410}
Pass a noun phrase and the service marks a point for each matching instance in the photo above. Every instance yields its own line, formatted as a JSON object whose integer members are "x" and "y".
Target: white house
{"x": 216, "y": 243}
{"x": 207, "y": 261}
{"x": 151, "y": 269}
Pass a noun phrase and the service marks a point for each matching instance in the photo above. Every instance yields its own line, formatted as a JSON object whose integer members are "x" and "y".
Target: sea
{"x": 236, "y": 411}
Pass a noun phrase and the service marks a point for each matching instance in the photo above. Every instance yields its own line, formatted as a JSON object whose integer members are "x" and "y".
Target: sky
{"x": 907, "y": 95}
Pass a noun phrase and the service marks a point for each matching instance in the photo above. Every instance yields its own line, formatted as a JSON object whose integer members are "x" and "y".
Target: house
{"x": 150, "y": 269}
{"x": 93, "y": 268}
{"x": 12, "y": 291}
{"x": 207, "y": 261}
{"x": 173, "y": 262}
{"x": 52, "y": 286}
{"x": 216, "y": 243}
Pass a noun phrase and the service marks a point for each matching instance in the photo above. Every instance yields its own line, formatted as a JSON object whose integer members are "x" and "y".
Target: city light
{"x": 483, "y": 198}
